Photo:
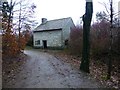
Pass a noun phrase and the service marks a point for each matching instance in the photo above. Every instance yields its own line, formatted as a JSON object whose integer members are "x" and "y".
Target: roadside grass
{"x": 28, "y": 48}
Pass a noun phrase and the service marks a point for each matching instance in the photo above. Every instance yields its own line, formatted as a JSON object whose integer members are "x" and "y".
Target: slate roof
{"x": 54, "y": 24}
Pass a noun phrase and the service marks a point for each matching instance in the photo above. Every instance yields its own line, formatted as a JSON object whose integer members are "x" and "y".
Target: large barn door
{"x": 44, "y": 43}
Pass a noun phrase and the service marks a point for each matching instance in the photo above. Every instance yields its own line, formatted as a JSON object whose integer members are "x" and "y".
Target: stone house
{"x": 53, "y": 33}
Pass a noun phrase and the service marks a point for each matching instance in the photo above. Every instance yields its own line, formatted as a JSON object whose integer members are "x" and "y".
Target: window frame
{"x": 37, "y": 42}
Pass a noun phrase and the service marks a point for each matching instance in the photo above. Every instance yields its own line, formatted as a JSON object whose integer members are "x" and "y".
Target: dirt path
{"x": 43, "y": 70}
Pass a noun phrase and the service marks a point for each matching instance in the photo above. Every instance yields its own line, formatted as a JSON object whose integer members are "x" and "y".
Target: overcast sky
{"x": 55, "y": 9}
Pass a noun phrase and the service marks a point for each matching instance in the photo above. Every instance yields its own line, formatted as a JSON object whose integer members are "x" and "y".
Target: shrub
{"x": 75, "y": 43}
{"x": 100, "y": 38}
{"x": 9, "y": 45}
{"x": 30, "y": 41}
{"x": 13, "y": 45}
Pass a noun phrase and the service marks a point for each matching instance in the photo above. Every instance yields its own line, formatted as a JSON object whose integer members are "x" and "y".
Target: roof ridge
{"x": 55, "y": 23}
{"x": 60, "y": 19}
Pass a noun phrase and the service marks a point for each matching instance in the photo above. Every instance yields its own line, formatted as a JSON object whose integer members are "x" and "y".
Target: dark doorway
{"x": 44, "y": 43}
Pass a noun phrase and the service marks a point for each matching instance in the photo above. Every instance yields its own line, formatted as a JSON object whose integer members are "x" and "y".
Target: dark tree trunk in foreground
{"x": 86, "y": 36}
{"x": 111, "y": 42}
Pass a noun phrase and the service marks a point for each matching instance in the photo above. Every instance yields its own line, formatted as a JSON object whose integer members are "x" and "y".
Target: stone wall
{"x": 53, "y": 38}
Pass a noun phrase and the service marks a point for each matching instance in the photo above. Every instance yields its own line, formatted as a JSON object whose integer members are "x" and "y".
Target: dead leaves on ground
{"x": 11, "y": 67}
{"x": 97, "y": 69}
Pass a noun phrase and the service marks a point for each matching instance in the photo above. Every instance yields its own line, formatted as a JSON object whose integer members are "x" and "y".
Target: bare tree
{"x": 23, "y": 15}
{"x": 110, "y": 19}
{"x": 20, "y": 15}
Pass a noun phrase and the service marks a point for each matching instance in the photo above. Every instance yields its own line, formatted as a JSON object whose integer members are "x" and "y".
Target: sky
{"x": 56, "y": 9}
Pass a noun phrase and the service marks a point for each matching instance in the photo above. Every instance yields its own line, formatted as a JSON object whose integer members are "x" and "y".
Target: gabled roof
{"x": 54, "y": 24}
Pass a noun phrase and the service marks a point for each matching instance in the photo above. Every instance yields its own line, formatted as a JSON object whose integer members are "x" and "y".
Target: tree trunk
{"x": 111, "y": 42}
{"x": 86, "y": 36}
{"x": 19, "y": 29}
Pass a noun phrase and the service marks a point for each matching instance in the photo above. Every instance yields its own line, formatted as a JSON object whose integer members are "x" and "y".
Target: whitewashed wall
{"x": 67, "y": 29}
{"x": 54, "y": 38}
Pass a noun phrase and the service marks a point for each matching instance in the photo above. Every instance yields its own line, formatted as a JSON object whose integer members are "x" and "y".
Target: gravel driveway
{"x": 43, "y": 70}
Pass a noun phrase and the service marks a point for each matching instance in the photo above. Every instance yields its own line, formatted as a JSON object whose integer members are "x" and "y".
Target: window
{"x": 37, "y": 42}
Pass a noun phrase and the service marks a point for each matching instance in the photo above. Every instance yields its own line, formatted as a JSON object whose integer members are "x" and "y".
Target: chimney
{"x": 44, "y": 20}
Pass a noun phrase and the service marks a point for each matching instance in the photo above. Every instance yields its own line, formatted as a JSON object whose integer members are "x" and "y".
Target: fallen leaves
{"x": 97, "y": 69}
{"x": 11, "y": 66}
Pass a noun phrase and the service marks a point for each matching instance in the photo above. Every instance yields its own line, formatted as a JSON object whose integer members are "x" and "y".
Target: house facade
{"x": 53, "y": 33}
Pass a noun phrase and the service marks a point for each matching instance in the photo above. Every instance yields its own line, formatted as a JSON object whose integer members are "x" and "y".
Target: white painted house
{"x": 53, "y": 33}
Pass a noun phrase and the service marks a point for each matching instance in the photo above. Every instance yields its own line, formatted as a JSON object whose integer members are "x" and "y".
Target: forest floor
{"x": 98, "y": 68}
{"x": 45, "y": 69}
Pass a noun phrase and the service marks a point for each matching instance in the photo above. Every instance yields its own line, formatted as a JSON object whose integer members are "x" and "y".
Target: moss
{"x": 52, "y": 48}
{"x": 104, "y": 77}
{"x": 28, "y": 47}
